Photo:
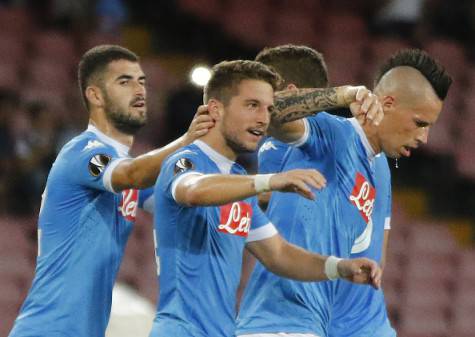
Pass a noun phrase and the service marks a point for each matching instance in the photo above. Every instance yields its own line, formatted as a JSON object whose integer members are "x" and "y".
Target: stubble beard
{"x": 123, "y": 120}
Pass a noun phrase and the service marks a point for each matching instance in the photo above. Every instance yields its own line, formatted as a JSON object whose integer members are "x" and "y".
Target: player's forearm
{"x": 142, "y": 171}
{"x": 288, "y": 260}
{"x": 215, "y": 189}
{"x": 291, "y": 105}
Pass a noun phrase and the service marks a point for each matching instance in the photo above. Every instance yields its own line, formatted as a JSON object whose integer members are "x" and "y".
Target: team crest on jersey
{"x": 98, "y": 163}
{"x": 183, "y": 165}
{"x": 128, "y": 204}
{"x": 235, "y": 218}
{"x": 363, "y": 196}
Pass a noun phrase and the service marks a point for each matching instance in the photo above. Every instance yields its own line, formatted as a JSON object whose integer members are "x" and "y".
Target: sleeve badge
{"x": 98, "y": 163}
{"x": 182, "y": 165}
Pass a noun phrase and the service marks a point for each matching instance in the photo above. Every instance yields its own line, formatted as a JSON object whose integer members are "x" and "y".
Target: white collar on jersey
{"x": 369, "y": 149}
{"x": 122, "y": 150}
{"x": 224, "y": 164}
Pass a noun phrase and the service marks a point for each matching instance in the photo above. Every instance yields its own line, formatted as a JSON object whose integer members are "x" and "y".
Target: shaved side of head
{"x": 407, "y": 85}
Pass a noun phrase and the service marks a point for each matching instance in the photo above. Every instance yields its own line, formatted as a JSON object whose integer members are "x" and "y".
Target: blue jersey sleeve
{"x": 177, "y": 167}
{"x": 261, "y": 227}
{"x": 91, "y": 164}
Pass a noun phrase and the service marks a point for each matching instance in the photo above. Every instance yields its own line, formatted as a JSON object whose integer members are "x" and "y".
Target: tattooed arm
{"x": 291, "y": 106}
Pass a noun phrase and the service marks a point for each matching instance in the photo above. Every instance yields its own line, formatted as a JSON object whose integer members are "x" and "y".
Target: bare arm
{"x": 287, "y": 260}
{"x": 291, "y": 106}
{"x": 220, "y": 189}
{"x": 142, "y": 172}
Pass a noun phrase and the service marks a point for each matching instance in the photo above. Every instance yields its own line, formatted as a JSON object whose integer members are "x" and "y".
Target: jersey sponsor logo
{"x": 183, "y": 165}
{"x": 267, "y": 146}
{"x": 235, "y": 218}
{"x": 128, "y": 204}
{"x": 98, "y": 163}
{"x": 363, "y": 196}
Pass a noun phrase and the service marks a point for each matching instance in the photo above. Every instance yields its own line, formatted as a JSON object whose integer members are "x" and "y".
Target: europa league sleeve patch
{"x": 183, "y": 165}
{"x": 98, "y": 163}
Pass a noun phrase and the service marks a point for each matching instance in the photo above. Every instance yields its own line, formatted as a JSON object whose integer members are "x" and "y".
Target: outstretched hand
{"x": 298, "y": 181}
{"x": 200, "y": 125}
{"x": 361, "y": 270}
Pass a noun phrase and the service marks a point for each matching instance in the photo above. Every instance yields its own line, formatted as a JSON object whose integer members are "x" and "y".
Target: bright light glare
{"x": 200, "y": 75}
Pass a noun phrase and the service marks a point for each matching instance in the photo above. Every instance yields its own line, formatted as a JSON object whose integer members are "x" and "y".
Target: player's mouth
{"x": 139, "y": 103}
{"x": 256, "y": 132}
{"x": 406, "y": 150}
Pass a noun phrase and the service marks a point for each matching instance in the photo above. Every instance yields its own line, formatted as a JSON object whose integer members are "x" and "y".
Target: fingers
{"x": 371, "y": 273}
{"x": 369, "y": 106}
{"x": 301, "y": 188}
{"x": 201, "y": 123}
{"x": 299, "y": 181}
{"x": 202, "y": 110}
{"x": 361, "y": 93}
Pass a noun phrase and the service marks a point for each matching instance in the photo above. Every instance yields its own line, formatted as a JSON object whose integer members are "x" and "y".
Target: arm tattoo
{"x": 293, "y": 105}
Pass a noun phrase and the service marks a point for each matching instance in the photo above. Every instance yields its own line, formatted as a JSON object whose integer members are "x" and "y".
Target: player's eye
{"x": 421, "y": 124}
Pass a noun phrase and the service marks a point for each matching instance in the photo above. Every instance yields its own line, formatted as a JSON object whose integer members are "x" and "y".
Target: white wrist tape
{"x": 331, "y": 267}
{"x": 262, "y": 182}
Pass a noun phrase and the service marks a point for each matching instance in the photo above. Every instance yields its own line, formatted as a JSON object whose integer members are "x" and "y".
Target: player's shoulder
{"x": 332, "y": 122}
{"x": 183, "y": 159}
{"x": 271, "y": 144}
{"x": 84, "y": 144}
{"x": 189, "y": 151}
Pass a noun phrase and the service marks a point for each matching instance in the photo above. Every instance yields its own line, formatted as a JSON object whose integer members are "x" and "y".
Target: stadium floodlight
{"x": 200, "y": 75}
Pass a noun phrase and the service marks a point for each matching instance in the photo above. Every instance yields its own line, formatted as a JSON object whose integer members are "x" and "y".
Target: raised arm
{"x": 290, "y": 106}
{"x": 142, "y": 171}
{"x": 219, "y": 189}
{"x": 287, "y": 260}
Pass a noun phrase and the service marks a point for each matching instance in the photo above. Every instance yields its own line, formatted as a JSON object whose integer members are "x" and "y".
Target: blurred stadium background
{"x": 430, "y": 275}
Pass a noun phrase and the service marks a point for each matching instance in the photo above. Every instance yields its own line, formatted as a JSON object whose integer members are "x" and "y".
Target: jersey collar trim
{"x": 224, "y": 164}
{"x": 122, "y": 149}
{"x": 369, "y": 149}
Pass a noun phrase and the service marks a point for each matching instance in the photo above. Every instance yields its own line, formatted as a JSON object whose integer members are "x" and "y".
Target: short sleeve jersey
{"x": 201, "y": 248}
{"x": 83, "y": 228}
{"x": 338, "y": 222}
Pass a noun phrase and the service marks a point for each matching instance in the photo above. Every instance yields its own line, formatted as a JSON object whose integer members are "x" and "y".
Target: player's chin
{"x": 140, "y": 112}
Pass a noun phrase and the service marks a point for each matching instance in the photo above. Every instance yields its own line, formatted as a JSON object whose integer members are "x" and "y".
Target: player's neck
{"x": 103, "y": 125}
{"x": 372, "y": 135}
{"x": 216, "y": 141}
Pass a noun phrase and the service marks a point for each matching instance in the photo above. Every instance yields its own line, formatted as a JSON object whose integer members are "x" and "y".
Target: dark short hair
{"x": 227, "y": 75}
{"x": 95, "y": 61}
{"x": 418, "y": 59}
{"x": 300, "y": 65}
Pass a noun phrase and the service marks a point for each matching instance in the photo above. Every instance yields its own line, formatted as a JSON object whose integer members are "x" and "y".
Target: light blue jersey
{"x": 201, "y": 248}
{"x": 338, "y": 222}
{"x": 360, "y": 311}
{"x": 271, "y": 155}
{"x": 82, "y": 231}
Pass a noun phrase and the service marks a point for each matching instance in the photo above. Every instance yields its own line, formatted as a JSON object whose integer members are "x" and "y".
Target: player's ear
{"x": 388, "y": 103}
{"x": 215, "y": 108}
{"x": 94, "y": 95}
